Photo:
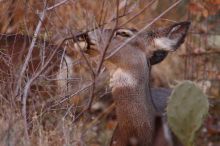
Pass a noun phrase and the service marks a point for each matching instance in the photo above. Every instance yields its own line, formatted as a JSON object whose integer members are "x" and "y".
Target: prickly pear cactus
{"x": 186, "y": 110}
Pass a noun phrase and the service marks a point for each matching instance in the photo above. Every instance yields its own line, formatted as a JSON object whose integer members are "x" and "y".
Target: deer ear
{"x": 158, "y": 56}
{"x": 174, "y": 36}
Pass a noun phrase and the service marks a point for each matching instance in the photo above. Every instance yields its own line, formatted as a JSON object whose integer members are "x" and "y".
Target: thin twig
{"x": 84, "y": 56}
{"x": 141, "y": 11}
{"x": 101, "y": 12}
{"x": 73, "y": 94}
{"x": 107, "y": 46}
{"x": 125, "y": 7}
{"x": 57, "y": 5}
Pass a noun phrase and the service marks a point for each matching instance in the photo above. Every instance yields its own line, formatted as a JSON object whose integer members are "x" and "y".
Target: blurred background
{"x": 52, "y": 118}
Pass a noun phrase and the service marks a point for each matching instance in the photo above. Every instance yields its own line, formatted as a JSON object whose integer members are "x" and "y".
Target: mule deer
{"x": 130, "y": 71}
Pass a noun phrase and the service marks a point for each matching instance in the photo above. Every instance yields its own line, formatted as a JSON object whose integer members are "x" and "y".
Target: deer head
{"x": 157, "y": 42}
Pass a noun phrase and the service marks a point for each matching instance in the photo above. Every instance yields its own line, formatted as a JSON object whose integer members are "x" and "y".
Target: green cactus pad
{"x": 187, "y": 107}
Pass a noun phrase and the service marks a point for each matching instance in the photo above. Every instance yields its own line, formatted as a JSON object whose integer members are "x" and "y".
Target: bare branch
{"x": 24, "y": 111}
{"x": 30, "y": 50}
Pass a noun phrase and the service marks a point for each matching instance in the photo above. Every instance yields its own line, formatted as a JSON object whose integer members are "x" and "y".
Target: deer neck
{"x": 134, "y": 110}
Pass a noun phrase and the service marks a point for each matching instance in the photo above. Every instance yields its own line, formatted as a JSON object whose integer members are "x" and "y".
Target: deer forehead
{"x": 122, "y": 78}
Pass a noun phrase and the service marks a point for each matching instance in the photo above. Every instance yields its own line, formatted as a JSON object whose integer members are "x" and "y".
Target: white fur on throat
{"x": 122, "y": 78}
{"x": 165, "y": 43}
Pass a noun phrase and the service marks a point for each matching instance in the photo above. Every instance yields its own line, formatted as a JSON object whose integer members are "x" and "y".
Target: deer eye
{"x": 124, "y": 33}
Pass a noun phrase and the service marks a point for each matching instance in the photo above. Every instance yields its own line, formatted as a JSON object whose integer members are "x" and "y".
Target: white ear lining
{"x": 166, "y": 43}
{"x": 173, "y": 29}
